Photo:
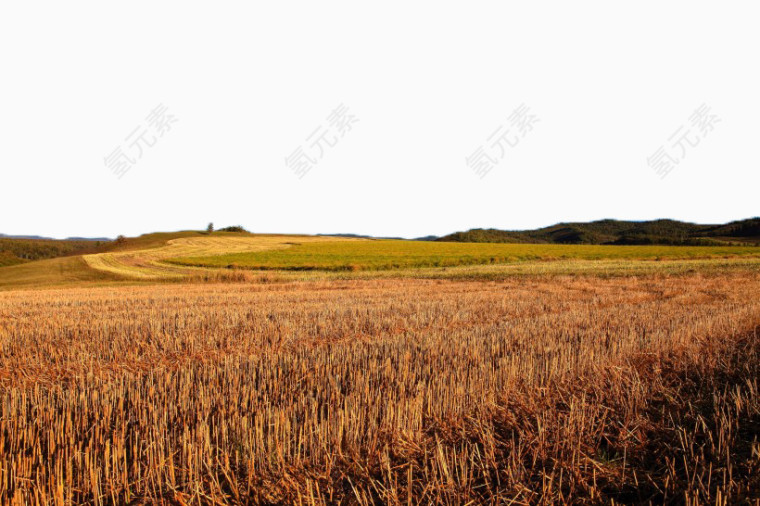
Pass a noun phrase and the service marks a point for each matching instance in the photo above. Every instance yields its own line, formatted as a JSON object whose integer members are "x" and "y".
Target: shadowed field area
{"x": 14, "y": 251}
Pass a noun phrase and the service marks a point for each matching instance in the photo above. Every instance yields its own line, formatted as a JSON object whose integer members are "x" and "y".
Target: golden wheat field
{"x": 530, "y": 390}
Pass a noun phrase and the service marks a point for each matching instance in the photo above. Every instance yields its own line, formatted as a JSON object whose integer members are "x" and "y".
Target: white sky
{"x": 428, "y": 81}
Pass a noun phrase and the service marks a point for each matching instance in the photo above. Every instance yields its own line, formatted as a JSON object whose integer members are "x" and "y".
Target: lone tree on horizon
{"x": 210, "y": 228}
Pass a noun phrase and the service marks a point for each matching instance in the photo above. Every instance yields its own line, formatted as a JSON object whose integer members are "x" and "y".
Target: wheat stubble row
{"x": 532, "y": 390}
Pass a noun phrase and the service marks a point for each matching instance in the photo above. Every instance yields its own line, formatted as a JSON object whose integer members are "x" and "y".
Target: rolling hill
{"x": 141, "y": 259}
{"x": 670, "y": 232}
{"x": 18, "y": 250}
{"x": 222, "y": 255}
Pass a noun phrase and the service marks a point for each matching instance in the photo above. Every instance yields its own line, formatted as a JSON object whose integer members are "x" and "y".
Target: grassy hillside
{"x": 144, "y": 258}
{"x": 378, "y": 255}
{"x": 8, "y": 258}
{"x": 160, "y": 239}
{"x": 53, "y": 272}
{"x": 68, "y": 265}
{"x": 618, "y": 232}
{"x": 192, "y": 255}
{"x": 18, "y": 251}
{"x": 743, "y": 228}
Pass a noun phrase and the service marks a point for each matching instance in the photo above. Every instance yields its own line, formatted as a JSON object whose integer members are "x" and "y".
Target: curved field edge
{"x": 150, "y": 263}
{"x": 133, "y": 260}
{"x": 391, "y": 254}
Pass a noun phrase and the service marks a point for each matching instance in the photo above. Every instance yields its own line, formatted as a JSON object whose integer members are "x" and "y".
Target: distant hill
{"x": 358, "y": 236}
{"x": 96, "y": 239}
{"x": 41, "y": 238}
{"x": 34, "y": 237}
{"x": 621, "y": 233}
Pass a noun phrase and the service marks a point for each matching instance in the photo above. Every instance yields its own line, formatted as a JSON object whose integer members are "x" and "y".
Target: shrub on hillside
{"x": 236, "y": 228}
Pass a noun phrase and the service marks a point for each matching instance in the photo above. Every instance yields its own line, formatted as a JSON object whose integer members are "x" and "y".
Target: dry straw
{"x": 398, "y": 392}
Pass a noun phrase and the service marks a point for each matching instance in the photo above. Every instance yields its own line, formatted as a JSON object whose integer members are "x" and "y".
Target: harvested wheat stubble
{"x": 408, "y": 391}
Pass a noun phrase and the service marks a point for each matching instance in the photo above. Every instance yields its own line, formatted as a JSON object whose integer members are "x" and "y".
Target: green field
{"x": 393, "y": 254}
